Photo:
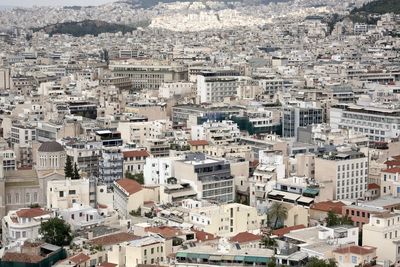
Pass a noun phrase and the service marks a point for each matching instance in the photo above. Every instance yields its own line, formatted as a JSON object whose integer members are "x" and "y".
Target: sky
{"x": 28, "y": 3}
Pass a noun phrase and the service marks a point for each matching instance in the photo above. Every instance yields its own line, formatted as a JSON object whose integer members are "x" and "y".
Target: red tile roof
{"x": 355, "y": 250}
{"x": 326, "y": 206}
{"x": 21, "y": 257}
{"x": 129, "y": 185}
{"x": 135, "y": 153}
{"x": 166, "y": 231}
{"x": 113, "y": 239}
{"x": 373, "y": 186}
{"x": 393, "y": 162}
{"x": 204, "y": 236}
{"x": 392, "y": 170}
{"x": 107, "y": 264}
{"x": 245, "y": 237}
{"x": 79, "y": 258}
{"x": 31, "y": 213}
{"x": 198, "y": 142}
{"x": 285, "y": 230}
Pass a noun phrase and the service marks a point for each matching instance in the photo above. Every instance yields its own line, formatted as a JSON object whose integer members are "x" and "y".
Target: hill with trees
{"x": 92, "y": 27}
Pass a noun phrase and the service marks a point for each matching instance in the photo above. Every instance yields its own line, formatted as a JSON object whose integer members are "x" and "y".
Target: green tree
{"x": 138, "y": 177}
{"x": 268, "y": 242}
{"x": 277, "y": 212}
{"x": 272, "y": 263}
{"x": 56, "y": 231}
{"x": 68, "y": 169}
{"x": 315, "y": 262}
{"x": 76, "y": 175}
{"x": 332, "y": 219}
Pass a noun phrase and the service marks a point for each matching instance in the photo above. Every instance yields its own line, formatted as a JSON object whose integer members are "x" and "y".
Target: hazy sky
{"x": 52, "y": 2}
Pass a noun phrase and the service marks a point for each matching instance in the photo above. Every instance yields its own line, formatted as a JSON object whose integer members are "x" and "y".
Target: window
{"x": 152, "y": 250}
{"x": 145, "y": 252}
{"x": 61, "y": 193}
{"x": 354, "y": 259}
{"x": 71, "y": 192}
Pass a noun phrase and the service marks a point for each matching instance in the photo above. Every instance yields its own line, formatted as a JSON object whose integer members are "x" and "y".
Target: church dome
{"x": 52, "y": 146}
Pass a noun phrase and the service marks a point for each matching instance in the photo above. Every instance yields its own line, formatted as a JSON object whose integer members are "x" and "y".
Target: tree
{"x": 68, "y": 169}
{"x": 334, "y": 220}
{"x": 76, "y": 175}
{"x": 56, "y": 231}
{"x": 268, "y": 242}
{"x": 315, "y": 262}
{"x": 138, "y": 177}
{"x": 277, "y": 212}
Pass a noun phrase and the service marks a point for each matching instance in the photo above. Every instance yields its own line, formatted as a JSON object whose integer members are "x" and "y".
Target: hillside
{"x": 81, "y": 28}
{"x": 379, "y": 7}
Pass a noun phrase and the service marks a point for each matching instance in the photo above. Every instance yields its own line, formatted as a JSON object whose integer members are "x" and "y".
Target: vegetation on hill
{"x": 379, "y": 7}
{"x": 92, "y": 27}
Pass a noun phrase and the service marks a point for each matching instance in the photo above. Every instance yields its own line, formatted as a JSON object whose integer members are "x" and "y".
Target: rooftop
{"x": 130, "y": 186}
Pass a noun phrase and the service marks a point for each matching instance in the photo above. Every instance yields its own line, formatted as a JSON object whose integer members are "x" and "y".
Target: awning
{"x": 214, "y": 258}
{"x": 228, "y": 257}
{"x": 291, "y": 196}
{"x": 306, "y": 200}
{"x": 181, "y": 254}
{"x": 256, "y": 259}
{"x": 239, "y": 258}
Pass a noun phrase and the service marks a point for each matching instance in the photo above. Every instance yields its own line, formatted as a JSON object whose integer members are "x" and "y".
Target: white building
{"x": 158, "y": 170}
{"x": 62, "y": 194}
{"x": 81, "y": 216}
{"x": 225, "y": 220}
{"x": 171, "y": 89}
{"x": 383, "y": 232}
{"x": 379, "y": 124}
{"x": 219, "y": 133}
{"x": 23, "y": 224}
{"x": 214, "y": 87}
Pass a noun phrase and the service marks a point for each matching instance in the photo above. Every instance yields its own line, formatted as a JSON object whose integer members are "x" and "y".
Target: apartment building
{"x": 138, "y": 252}
{"x": 111, "y": 165}
{"x": 378, "y": 123}
{"x": 22, "y": 134}
{"x": 62, "y": 194}
{"x": 300, "y": 114}
{"x": 225, "y": 220}
{"x": 219, "y": 133}
{"x": 134, "y": 161}
{"x": 128, "y": 196}
{"x": 149, "y": 75}
{"x": 383, "y": 232}
{"x": 345, "y": 171}
{"x": 390, "y": 182}
{"x": 23, "y": 224}
{"x": 214, "y": 87}
{"x": 9, "y": 159}
{"x": 159, "y": 170}
{"x": 85, "y": 154}
{"x": 210, "y": 178}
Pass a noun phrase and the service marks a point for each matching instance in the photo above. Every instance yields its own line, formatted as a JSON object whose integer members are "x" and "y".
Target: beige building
{"x": 384, "y": 230}
{"x": 145, "y": 250}
{"x": 62, "y": 194}
{"x": 346, "y": 171}
{"x": 350, "y": 256}
{"x": 225, "y": 220}
{"x": 128, "y": 196}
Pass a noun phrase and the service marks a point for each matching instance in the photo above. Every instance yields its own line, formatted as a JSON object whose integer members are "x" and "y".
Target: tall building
{"x": 148, "y": 75}
{"x": 214, "y": 87}
{"x": 345, "y": 172}
{"x": 383, "y": 232}
{"x": 111, "y": 165}
{"x": 5, "y": 79}
{"x": 210, "y": 178}
{"x": 379, "y": 124}
{"x": 22, "y": 134}
{"x": 299, "y": 114}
